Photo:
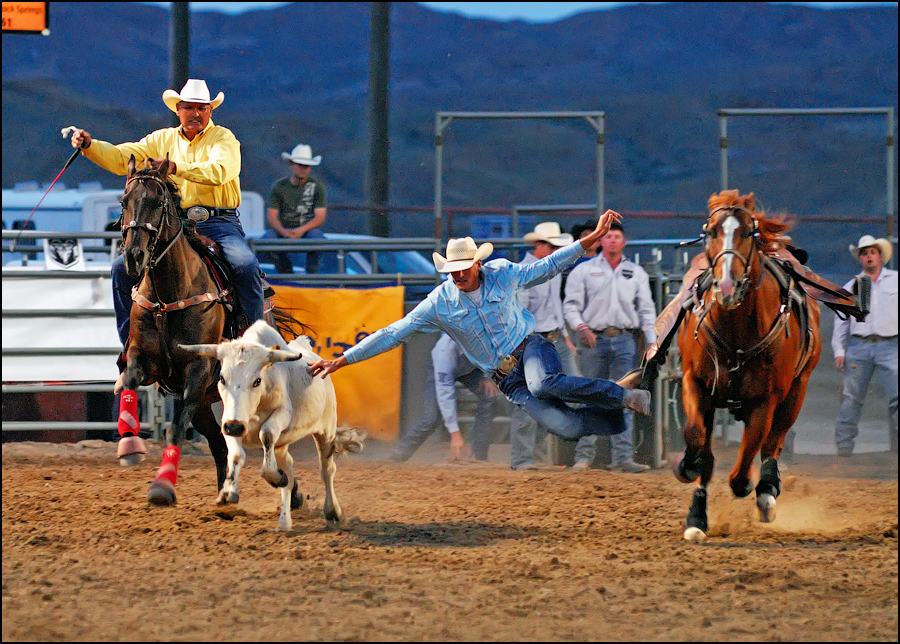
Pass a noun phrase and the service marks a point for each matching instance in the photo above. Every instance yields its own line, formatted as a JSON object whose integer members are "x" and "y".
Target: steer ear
{"x": 280, "y": 355}
{"x": 207, "y": 350}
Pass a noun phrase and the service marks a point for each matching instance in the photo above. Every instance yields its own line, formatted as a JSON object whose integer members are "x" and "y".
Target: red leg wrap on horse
{"x": 168, "y": 470}
{"x": 128, "y": 413}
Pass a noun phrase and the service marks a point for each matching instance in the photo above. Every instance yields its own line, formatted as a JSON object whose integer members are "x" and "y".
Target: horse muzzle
{"x": 234, "y": 428}
{"x": 135, "y": 261}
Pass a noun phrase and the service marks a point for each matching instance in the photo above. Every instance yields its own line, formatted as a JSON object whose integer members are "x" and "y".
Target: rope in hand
{"x": 66, "y": 133}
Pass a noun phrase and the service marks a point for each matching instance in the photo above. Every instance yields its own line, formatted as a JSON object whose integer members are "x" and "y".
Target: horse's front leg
{"x": 131, "y": 449}
{"x": 162, "y": 489}
{"x": 327, "y": 469}
{"x": 698, "y": 461}
{"x": 757, "y": 422}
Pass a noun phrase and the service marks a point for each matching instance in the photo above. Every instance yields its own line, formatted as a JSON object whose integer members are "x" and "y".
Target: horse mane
{"x": 772, "y": 230}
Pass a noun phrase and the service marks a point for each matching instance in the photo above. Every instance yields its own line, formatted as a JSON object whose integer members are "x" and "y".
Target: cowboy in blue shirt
{"x": 480, "y": 309}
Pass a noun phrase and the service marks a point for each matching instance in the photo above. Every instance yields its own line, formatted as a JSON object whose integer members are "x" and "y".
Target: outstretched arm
{"x": 326, "y": 367}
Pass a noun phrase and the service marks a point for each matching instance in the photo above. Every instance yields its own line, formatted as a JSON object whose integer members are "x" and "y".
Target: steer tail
{"x": 348, "y": 439}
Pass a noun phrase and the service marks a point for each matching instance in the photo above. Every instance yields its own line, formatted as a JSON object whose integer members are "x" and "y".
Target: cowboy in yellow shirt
{"x": 207, "y": 162}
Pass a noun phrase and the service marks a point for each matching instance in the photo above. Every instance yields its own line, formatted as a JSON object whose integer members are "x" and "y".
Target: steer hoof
{"x": 161, "y": 493}
{"x": 282, "y": 482}
{"x": 227, "y": 498}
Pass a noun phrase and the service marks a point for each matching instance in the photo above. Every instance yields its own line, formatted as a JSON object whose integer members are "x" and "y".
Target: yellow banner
{"x": 368, "y": 393}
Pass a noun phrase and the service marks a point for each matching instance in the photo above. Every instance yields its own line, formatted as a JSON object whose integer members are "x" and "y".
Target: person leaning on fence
{"x": 448, "y": 366}
{"x": 480, "y": 309}
{"x": 206, "y": 162}
{"x": 864, "y": 348}
{"x": 607, "y": 302}
{"x": 527, "y": 440}
{"x": 296, "y": 209}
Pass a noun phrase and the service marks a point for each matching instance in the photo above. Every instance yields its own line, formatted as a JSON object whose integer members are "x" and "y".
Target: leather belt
{"x": 202, "y": 213}
{"x": 874, "y": 338}
{"x": 553, "y": 336}
{"x": 508, "y": 363}
{"x": 610, "y": 332}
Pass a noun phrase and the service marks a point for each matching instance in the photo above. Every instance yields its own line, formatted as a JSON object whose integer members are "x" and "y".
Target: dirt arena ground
{"x": 442, "y": 551}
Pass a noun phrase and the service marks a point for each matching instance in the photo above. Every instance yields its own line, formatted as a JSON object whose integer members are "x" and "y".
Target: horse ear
{"x": 131, "y": 166}
{"x": 165, "y": 167}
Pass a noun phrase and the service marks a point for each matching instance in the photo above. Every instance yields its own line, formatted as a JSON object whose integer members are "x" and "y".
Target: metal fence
{"x": 653, "y": 254}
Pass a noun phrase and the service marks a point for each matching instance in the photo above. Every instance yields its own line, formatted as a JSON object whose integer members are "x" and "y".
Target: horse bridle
{"x": 168, "y": 211}
{"x": 742, "y": 285}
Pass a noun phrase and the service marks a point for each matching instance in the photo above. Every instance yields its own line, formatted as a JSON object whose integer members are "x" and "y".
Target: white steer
{"x": 270, "y": 399}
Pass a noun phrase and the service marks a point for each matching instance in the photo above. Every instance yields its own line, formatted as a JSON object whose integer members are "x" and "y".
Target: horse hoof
{"x": 694, "y": 535}
{"x": 677, "y": 470}
{"x": 765, "y": 503}
{"x": 131, "y": 450}
{"x": 161, "y": 493}
{"x": 131, "y": 460}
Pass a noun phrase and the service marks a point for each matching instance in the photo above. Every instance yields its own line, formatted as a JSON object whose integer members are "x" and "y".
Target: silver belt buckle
{"x": 198, "y": 214}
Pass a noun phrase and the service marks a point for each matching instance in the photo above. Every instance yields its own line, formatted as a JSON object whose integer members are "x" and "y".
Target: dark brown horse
{"x": 176, "y": 302}
{"x": 749, "y": 344}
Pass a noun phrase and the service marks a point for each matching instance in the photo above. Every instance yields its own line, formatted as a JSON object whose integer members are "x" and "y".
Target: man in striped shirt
{"x": 480, "y": 309}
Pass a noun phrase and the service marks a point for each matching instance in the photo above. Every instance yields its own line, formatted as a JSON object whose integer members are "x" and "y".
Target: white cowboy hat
{"x": 867, "y": 240}
{"x": 461, "y": 254}
{"x": 549, "y": 232}
{"x": 302, "y": 155}
{"x": 194, "y": 91}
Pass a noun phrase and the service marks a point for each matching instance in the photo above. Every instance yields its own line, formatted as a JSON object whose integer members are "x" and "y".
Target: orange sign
{"x": 26, "y": 18}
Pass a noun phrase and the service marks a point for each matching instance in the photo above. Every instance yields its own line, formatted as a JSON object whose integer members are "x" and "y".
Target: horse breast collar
{"x": 792, "y": 297}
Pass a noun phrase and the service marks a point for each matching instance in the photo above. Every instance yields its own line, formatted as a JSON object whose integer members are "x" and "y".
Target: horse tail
{"x": 348, "y": 440}
{"x": 287, "y": 325}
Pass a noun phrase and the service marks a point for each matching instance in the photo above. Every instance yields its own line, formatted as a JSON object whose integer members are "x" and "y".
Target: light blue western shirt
{"x": 486, "y": 332}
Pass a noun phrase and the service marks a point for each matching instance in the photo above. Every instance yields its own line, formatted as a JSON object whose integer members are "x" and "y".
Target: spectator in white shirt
{"x": 864, "y": 348}
{"x": 607, "y": 301}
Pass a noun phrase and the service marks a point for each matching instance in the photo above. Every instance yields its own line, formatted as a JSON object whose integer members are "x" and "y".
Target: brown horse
{"x": 176, "y": 302}
{"x": 749, "y": 344}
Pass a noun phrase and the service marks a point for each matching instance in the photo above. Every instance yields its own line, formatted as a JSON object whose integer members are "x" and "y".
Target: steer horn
{"x": 207, "y": 350}
{"x": 280, "y": 355}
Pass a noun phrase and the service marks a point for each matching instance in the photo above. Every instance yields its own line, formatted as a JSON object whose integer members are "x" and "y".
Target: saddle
{"x": 223, "y": 276}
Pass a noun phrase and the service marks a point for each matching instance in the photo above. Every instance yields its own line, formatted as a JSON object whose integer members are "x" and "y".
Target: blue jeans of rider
{"x": 863, "y": 359}
{"x": 527, "y": 438}
{"x": 431, "y": 418}
{"x": 285, "y": 261}
{"x": 539, "y": 386}
{"x": 227, "y": 232}
{"x": 609, "y": 358}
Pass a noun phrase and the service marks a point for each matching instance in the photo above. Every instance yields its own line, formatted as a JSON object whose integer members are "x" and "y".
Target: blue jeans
{"x": 609, "y": 358}
{"x": 285, "y": 261}
{"x": 538, "y": 385}
{"x": 527, "y": 439}
{"x": 863, "y": 359}
{"x": 227, "y": 232}
{"x": 431, "y": 417}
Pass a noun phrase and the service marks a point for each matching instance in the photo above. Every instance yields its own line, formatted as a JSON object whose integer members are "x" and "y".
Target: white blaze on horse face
{"x": 729, "y": 227}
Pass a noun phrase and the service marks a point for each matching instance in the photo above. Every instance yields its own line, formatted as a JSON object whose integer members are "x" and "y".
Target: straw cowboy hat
{"x": 302, "y": 155}
{"x": 549, "y": 232}
{"x": 461, "y": 254}
{"x": 867, "y": 240}
{"x": 194, "y": 91}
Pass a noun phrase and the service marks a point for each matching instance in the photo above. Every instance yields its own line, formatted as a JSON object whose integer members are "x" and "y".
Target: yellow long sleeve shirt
{"x": 207, "y": 168}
